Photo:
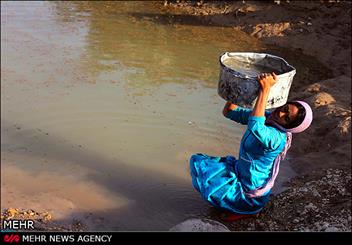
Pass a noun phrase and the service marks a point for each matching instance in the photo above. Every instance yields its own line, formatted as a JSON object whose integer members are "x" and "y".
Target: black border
{"x": 198, "y": 237}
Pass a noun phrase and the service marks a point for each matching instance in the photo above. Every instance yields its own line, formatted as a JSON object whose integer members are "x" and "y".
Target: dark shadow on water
{"x": 176, "y": 19}
{"x": 193, "y": 20}
{"x": 213, "y": 20}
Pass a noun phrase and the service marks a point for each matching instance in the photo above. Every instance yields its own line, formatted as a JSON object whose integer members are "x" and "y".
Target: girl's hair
{"x": 300, "y": 115}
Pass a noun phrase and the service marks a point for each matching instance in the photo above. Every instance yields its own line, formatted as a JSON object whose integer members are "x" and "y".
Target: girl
{"x": 243, "y": 185}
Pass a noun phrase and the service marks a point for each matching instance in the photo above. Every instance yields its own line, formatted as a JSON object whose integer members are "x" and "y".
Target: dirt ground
{"x": 320, "y": 198}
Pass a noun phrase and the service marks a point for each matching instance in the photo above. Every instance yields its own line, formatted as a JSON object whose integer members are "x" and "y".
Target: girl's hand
{"x": 267, "y": 80}
{"x": 229, "y": 106}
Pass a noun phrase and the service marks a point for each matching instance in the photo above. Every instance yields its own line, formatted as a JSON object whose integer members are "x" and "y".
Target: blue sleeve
{"x": 239, "y": 115}
{"x": 270, "y": 137}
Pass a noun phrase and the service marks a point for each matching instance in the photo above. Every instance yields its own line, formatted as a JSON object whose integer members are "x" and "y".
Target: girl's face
{"x": 285, "y": 114}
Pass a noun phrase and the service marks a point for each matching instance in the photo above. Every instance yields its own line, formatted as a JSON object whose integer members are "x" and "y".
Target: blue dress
{"x": 223, "y": 181}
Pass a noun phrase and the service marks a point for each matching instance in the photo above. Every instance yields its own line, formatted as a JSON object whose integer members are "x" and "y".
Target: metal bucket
{"x": 238, "y": 78}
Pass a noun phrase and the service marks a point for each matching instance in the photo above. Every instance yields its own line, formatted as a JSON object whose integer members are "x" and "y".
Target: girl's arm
{"x": 236, "y": 113}
{"x": 266, "y": 81}
{"x": 269, "y": 137}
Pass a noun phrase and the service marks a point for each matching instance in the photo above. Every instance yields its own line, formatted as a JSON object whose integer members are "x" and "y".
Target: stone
{"x": 200, "y": 225}
{"x": 316, "y": 193}
{"x": 310, "y": 206}
{"x": 331, "y": 229}
{"x": 325, "y": 226}
{"x": 11, "y": 212}
{"x": 47, "y": 217}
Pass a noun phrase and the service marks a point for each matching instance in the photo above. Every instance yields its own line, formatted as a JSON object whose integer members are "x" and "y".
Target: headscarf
{"x": 300, "y": 128}
{"x": 275, "y": 170}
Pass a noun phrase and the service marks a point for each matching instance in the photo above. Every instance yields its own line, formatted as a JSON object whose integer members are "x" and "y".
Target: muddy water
{"x": 101, "y": 108}
{"x": 248, "y": 69}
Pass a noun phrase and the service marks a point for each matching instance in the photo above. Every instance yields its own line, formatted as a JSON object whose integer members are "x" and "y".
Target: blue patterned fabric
{"x": 223, "y": 181}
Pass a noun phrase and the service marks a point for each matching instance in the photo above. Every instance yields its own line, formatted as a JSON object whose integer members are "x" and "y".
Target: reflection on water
{"x": 153, "y": 54}
{"x": 102, "y": 98}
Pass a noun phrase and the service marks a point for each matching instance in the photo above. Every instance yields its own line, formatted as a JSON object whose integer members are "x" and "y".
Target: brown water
{"x": 248, "y": 69}
{"x": 100, "y": 111}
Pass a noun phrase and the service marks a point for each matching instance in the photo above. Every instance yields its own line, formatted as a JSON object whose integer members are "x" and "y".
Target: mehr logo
{"x": 12, "y": 238}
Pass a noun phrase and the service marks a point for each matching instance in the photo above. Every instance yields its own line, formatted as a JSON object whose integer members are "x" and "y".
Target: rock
{"x": 324, "y": 226}
{"x": 11, "y": 212}
{"x": 310, "y": 206}
{"x": 249, "y": 8}
{"x": 200, "y": 225}
{"x": 332, "y": 229}
{"x": 316, "y": 193}
{"x": 47, "y": 217}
